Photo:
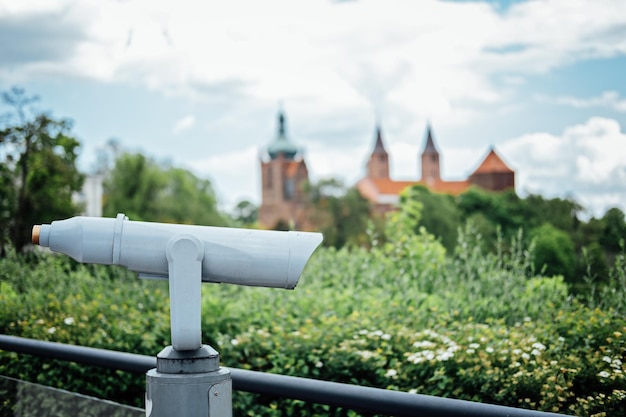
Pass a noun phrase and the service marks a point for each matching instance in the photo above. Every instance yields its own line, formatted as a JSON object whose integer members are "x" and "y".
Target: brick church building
{"x": 383, "y": 192}
{"x": 284, "y": 175}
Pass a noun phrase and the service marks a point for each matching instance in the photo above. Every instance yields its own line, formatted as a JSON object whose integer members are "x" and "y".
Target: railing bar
{"x": 371, "y": 400}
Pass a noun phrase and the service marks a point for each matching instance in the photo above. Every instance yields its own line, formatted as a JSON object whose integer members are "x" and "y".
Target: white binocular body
{"x": 237, "y": 256}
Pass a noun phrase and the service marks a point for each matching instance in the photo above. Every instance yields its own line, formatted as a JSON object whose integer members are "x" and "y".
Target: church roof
{"x": 430, "y": 143}
{"x": 492, "y": 164}
{"x": 374, "y": 188}
{"x": 379, "y": 147}
{"x": 281, "y": 144}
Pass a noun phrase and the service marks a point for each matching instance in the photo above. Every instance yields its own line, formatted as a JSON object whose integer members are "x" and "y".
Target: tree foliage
{"x": 246, "y": 213}
{"x": 38, "y": 173}
{"x": 144, "y": 190}
{"x": 554, "y": 251}
{"x": 340, "y": 213}
{"x": 439, "y": 213}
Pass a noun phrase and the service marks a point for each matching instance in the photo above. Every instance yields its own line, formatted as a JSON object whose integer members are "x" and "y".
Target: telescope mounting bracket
{"x": 184, "y": 254}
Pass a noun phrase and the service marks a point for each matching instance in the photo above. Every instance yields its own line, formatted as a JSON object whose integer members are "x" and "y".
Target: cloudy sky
{"x": 199, "y": 83}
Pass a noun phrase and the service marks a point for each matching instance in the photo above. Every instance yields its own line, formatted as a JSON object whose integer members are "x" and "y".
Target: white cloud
{"x": 184, "y": 123}
{"x": 430, "y": 58}
{"x": 238, "y": 173}
{"x": 608, "y": 99}
{"x": 333, "y": 63}
{"x": 587, "y": 161}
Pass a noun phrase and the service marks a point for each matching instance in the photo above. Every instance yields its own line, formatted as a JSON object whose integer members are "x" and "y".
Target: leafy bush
{"x": 402, "y": 315}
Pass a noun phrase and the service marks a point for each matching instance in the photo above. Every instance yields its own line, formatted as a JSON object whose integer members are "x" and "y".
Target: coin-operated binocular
{"x": 187, "y": 255}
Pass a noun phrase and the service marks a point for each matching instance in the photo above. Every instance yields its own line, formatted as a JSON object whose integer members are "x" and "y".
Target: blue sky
{"x": 199, "y": 84}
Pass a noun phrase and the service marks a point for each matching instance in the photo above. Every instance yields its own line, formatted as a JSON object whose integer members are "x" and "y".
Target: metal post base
{"x": 188, "y": 384}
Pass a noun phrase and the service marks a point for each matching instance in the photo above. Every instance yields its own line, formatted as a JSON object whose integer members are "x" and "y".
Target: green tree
{"x": 246, "y": 213}
{"x": 143, "y": 190}
{"x": 38, "y": 173}
{"x": 613, "y": 233}
{"x": 503, "y": 209}
{"x": 340, "y": 213}
{"x": 561, "y": 213}
{"x": 439, "y": 213}
{"x": 554, "y": 251}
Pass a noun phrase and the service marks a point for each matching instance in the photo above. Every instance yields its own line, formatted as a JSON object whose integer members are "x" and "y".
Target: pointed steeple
{"x": 379, "y": 147}
{"x": 378, "y": 165}
{"x": 281, "y": 144}
{"x": 430, "y": 160}
{"x": 430, "y": 143}
{"x": 281, "y": 124}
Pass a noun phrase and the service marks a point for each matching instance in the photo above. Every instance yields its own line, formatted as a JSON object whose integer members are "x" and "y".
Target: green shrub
{"x": 402, "y": 315}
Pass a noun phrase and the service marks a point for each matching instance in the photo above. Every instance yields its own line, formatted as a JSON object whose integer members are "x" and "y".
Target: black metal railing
{"x": 364, "y": 399}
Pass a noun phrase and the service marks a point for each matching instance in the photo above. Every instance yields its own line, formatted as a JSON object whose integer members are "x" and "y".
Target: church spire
{"x": 379, "y": 147}
{"x": 430, "y": 160}
{"x": 281, "y": 124}
{"x": 430, "y": 143}
{"x": 281, "y": 144}
{"x": 378, "y": 165}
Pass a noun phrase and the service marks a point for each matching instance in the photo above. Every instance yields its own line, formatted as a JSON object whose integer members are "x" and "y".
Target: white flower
{"x": 69, "y": 321}
{"x": 365, "y": 354}
{"x": 489, "y": 349}
{"x": 363, "y": 332}
{"x": 391, "y": 373}
{"x": 415, "y": 358}
{"x": 234, "y": 342}
{"x": 377, "y": 332}
{"x": 470, "y": 351}
{"x": 535, "y": 352}
{"x": 413, "y": 391}
{"x": 607, "y": 359}
{"x": 604, "y": 374}
{"x": 517, "y": 351}
{"x": 385, "y": 336}
{"x": 444, "y": 356}
{"x": 474, "y": 345}
{"x": 525, "y": 355}
{"x": 539, "y": 346}
{"x": 319, "y": 364}
{"x": 51, "y": 330}
{"x": 423, "y": 344}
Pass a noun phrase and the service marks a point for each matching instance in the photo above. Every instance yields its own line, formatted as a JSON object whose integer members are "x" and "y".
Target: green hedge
{"x": 402, "y": 315}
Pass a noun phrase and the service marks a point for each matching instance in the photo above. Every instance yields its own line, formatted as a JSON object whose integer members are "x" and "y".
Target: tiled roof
{"x": 450, "y": 187}
{"x": 389, "y": 186}
{"x": 374, "y": 188}
{"x": 492, "y": 164}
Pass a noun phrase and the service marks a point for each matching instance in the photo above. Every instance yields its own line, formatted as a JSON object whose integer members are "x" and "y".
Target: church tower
{"x": 430, "y": 161}
{"x": 378, "y": 165}
{"x": 283, "y": 175}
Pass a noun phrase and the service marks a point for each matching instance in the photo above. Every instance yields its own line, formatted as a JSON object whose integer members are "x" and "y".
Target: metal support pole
{"x": 188, "y": 384}
{"x": 188, "y": 380}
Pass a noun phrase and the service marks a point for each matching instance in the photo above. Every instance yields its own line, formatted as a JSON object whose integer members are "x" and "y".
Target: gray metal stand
{"x": 188, "y": 384}
{"x": 188, "y": 380}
